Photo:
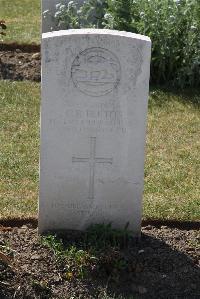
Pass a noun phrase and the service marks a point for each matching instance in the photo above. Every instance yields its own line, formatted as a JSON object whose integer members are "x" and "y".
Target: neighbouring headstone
{"x": 48, "y": 21}
{"x": 93, "y": 120}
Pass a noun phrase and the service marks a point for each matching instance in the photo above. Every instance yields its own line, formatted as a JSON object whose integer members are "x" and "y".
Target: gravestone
{"x": 48, "y": 22}
{"x": 93, "y": 120}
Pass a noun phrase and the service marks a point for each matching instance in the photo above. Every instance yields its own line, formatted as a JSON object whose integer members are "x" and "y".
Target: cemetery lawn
{"x": 172, "y": 186}
{"x": 19, "y": 135}
{"x": 22, "y": 19}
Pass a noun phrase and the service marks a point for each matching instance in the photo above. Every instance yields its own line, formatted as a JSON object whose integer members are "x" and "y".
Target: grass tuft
{"x": 91, "y": 251}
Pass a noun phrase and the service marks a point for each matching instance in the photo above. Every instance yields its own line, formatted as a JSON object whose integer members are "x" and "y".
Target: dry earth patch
{"x": 164, "y": 264}
{"x": 17, "y": 65}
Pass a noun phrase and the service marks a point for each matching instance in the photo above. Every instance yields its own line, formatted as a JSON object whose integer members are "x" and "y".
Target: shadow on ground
{"x": 164, "y": 264}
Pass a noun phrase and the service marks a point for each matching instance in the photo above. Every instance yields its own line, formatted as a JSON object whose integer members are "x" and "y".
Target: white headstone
{"x": 48, "y": 22}
{"x": 93, "y": 120}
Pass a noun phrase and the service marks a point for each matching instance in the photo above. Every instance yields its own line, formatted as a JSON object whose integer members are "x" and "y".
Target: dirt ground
{"x": 164, "y": 264}
{"x": 17, "y": 65}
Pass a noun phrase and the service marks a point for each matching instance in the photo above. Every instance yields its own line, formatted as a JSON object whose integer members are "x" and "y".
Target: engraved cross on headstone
{"x": 92, "y": 160}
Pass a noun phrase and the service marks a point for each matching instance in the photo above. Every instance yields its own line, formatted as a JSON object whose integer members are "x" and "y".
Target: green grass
{"x": 172, "y": 185}
{"x": 99, "y": 247}
{"x": 22, "y": 19}
{"x": 19, "y": 130}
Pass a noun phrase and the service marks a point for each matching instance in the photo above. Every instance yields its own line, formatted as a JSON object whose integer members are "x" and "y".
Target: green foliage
{"x": 79, "y": 262}
{"x": 102, "y": 236}
{"x": 54, "y": 243}
{"x": 173, "y": 27}
{"x": 93, "y": 12}
{"x": 119, "y": 15}
{"x": 97, "y": 248}
{"x": 67, "y": 15}
{"x": 76, "y": 262}
{"x": 72, "y": 15}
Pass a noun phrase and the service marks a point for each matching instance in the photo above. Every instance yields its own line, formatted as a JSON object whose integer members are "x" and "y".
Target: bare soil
{"x": 17, "y": 65}
{"x": 163, "y": 264}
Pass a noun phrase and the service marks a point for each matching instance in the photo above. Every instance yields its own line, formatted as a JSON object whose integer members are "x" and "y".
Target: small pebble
{"x": 35, "y": 257}
{"x": 24, "y": 226}
{"x": 148, "y": 227}
{"x": 164, "y": 227}
{"x": 36, "y": 56}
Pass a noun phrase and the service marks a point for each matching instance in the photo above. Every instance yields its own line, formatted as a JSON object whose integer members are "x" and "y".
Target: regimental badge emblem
{"x": 96, "y": 72}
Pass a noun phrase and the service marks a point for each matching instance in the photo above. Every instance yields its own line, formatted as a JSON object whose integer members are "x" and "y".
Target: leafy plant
{"x": 102, "y": 236}
{"x": 97, "y": 248}
{"x": 93, "y": 12}
{"x": 76, "y": 262}
{"x": 67, "y": 15}
{"x": 172, "y": 25}
{"x": 119, "y": 15}
{"x": 54, "y": 243}
{"x": 73, "y": 15}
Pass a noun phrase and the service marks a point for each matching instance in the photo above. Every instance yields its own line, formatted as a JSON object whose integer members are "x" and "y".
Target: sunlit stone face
{"x": 93, "y": 121}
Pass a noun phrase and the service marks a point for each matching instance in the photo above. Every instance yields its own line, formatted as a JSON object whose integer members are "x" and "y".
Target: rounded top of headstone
{"x": 88, "y": 31}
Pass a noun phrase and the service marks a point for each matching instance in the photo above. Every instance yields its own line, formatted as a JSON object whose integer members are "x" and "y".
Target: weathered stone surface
{"x": 93, "y": 120}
